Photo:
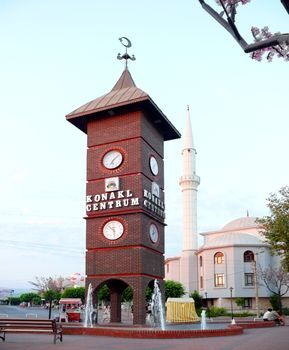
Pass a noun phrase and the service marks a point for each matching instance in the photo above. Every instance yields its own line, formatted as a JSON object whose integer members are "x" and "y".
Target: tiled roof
{"x": 124, "y": 94}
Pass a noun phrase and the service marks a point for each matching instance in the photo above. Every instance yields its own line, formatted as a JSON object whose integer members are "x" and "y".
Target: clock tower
{"x": 125, "y": 208}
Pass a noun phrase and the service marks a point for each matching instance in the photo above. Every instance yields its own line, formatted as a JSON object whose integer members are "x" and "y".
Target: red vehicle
{"x": 69, "y": 309}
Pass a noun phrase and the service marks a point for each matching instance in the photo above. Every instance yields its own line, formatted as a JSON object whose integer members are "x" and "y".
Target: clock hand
{"x": 113, "y": 230}
{"x": 113, "y": 159}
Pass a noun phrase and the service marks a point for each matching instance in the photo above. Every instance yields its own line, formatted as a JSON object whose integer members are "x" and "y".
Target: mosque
{"x": 223, "y": 267}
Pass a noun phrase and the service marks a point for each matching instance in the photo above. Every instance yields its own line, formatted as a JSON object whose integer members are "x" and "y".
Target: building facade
{"x": 227, "y": 262}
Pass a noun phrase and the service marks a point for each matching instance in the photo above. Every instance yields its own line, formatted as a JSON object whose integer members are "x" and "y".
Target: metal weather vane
{"x": 126, "y": 43}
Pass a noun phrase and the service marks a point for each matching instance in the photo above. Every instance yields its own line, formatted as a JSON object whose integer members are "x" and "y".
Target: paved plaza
{"x": 276, "y": 338}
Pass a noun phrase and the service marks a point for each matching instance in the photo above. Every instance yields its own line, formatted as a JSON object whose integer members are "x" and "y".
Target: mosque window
{"x": 249, "y": 279}
{"x": 248, "y": 256}
{"x": 219, "y": 258}
{"x": 201, "y": 282}
{"x": 248, "y": 303}
{"x": 219, "y": 280}
{"x": 201, "y": 261}
{"x": 168, "y": 268}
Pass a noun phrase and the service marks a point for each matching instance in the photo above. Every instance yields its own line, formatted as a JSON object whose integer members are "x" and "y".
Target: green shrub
{"x": 198, "y": 301}
{"x": 173, "y": 289}
{"x": 274, "y": 301}
{"x": 286, "y": 311}
{"x": 72, "y": 292}
{"x": 103, "y": 294}
{"x": 36, "y": 300}
{"x": 240, "y": 302}
{"x": 14, "y": 300}
{"x": 127, "y": 294}
{"x": 215, "y": 311}
{"x": 28, "y": 297}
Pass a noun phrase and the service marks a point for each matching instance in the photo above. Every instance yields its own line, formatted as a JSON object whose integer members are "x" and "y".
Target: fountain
{"x": 158, "y": 330}
{"x": 89, "y": 309}
{"x": 203, "y": 320}
{"x": 157, "y": 309}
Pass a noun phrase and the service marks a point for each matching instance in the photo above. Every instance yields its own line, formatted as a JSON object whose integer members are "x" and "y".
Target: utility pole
{"x": 232, "y": 313}
{"x": 256, "y": 285}
{"x": 256, "y": 281}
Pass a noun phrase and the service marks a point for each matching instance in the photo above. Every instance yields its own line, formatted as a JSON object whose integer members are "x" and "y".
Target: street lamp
{"x": 206, "y": 295}
{"x": 231, "y": 292}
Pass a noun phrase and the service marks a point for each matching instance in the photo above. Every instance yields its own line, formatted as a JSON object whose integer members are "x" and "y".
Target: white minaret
{"x": 189, "y": 183}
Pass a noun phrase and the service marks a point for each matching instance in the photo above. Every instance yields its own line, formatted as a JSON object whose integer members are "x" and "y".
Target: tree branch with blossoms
{"x": 265, "y": 43}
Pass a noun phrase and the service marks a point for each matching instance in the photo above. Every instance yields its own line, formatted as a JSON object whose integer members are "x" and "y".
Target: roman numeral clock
{"x": 125, "y": 208}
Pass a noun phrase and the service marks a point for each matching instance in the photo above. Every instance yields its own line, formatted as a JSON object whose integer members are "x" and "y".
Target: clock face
{"x": 113, "y": 230}
{"x": 154, "y": 165}
{"x": 154, "y": 233}
{"x": 112, "y": 159}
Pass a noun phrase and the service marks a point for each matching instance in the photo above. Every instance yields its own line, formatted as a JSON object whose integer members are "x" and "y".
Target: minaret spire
{"x": 189, "y": 183}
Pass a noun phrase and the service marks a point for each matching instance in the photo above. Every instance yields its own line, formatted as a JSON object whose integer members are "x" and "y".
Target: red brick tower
{"x": 124, "y": 196}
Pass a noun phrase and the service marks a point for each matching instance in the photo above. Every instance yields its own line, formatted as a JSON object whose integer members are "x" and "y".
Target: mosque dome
{"x": 239, "y": 232}
{"x": 241, "y": 223}
{"x": 233, "y": 239}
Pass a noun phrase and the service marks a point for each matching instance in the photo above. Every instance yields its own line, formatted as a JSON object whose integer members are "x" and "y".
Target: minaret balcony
{"x": 192, "y": 180}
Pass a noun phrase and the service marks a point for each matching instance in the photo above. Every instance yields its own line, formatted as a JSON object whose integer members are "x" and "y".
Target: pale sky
{"x": 57, "y": 55}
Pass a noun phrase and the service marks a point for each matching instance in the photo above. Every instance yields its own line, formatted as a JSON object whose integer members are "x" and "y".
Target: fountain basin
{"x": 253, "y": 324}
{"x": 146, "y": 333}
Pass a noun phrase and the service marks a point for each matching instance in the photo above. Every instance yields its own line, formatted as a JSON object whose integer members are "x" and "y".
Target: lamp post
{"x": 206, "y": 296}
{"x": 231, "y": 292}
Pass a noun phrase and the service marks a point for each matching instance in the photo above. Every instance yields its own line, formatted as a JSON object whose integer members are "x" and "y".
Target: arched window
{"x": 201, "y": 261}
{"x": 248, "y": 256}
{"x": 201, "y": 282}
{"x": 219, "y": 258}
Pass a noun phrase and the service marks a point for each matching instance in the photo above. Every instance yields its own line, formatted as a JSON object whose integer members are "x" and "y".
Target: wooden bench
{"x": 14, "y": 325}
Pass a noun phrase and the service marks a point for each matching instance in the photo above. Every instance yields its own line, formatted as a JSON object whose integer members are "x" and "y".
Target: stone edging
{"x": 151, "y": 333}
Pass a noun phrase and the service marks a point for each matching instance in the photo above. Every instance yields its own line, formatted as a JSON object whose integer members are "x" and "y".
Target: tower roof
{"x": 123, "y": 97}
{"x": 125, "y": 81}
